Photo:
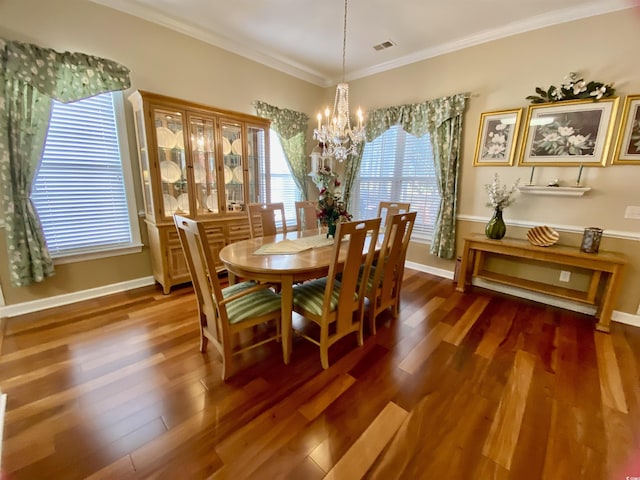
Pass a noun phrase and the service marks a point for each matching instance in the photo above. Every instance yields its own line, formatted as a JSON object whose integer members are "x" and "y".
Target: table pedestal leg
{"x": 286, "y": 294}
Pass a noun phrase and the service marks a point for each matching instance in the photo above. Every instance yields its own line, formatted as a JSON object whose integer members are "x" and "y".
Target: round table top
{"x": 240, "y": 257}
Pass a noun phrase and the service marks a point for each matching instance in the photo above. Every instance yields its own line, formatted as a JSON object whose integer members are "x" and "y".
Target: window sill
{"x": 94, "y": 255}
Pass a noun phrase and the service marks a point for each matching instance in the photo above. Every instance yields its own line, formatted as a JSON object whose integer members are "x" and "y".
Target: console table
{"x": 605, "y": 267}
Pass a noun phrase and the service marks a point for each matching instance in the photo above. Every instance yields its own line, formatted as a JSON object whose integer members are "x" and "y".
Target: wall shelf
{"x": 556, "y": 191}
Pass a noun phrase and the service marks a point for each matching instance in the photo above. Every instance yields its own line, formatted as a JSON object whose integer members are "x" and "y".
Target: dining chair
{"x": 263, "y": 221}
{"x": 335, "y": 306}
{"x": 386, "y": 209}
{"x": 306, "y": 215}
{"x": 385, "y": 278}
{"x": 225, "y": 312}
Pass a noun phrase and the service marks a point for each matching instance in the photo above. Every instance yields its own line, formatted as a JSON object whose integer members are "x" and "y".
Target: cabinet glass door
{"x": 257, "y": 164}
{"x": 143, "y": 155}
{"x": 171, "y": 160}
{"x": 203, "y": 160}
{"x": 233, "y": 167}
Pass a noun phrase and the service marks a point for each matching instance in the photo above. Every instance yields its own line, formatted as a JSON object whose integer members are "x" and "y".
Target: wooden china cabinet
{"x": 201, "y": 162}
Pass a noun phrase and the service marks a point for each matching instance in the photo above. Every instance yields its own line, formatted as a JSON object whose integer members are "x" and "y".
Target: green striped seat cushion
{"x": 310, "y": 295}
{"x": 253, "y": 305}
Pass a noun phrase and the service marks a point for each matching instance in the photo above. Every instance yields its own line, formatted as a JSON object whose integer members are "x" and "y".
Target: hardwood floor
{"x": 462, "y": 386}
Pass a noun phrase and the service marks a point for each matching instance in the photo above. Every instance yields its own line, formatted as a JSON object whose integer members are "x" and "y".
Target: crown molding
{"x": 303, "y": 72}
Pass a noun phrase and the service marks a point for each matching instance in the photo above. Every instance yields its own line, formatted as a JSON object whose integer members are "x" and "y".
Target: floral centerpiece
{"x": 331, "y": 208}
{"x": 500, "y": 197}
{"x": 573, "y": 88}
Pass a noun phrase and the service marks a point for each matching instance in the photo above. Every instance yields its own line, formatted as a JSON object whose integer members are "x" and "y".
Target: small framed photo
{"x": 627, "y": 150}
{"x": 497, "y": 136}
{"x": 572, "y": 132}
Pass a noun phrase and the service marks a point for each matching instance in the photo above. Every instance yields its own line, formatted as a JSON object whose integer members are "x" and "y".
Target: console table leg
{"x": 464, "y": 268}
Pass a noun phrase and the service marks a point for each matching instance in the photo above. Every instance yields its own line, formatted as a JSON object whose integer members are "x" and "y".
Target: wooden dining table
{"x": 241, "y": 261}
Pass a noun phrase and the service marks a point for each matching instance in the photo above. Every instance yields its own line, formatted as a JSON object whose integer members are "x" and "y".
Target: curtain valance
{"x": 416, "y": 119}
{"x": 288, "y": 123}
{"x": 65, "y": 76}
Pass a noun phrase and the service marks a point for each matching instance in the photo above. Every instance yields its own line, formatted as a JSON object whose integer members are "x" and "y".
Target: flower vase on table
{"x": 500, "y": 197}
{"x": 496, "y": 228}
{"x": 331, "y": 209}
{"x": 331, "y": 230}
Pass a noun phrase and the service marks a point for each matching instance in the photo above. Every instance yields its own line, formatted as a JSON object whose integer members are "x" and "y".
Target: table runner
{"x": 288, "y": 247}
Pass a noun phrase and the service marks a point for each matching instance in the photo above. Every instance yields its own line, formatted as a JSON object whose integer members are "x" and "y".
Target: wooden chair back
{"x": 344, "y": 316}
{"x": 383, "y": 291}
{"x": 386, "y": 209}
{"x": 306, "y": 215}
{"x": 216, "y": 326}
{"x": 263, "y": 218}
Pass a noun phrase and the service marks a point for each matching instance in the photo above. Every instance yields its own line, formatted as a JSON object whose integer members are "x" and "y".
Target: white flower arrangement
{"x": 573, "y": 88}
{"x": 500, "y": 196}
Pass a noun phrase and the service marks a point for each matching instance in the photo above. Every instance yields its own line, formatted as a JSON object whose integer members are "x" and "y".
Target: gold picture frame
{"x": 627, "y": 151}
{"x": 497, "y": 137}
{"x": 572, "y": 132}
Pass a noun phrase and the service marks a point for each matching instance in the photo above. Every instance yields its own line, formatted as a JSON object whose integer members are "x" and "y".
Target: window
{"x": 83, "y": 189}
{"x": 398, "y": 166}
{"x": 283, "y": 188}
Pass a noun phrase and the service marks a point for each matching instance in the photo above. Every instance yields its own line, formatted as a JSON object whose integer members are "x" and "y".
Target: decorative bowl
{"x": 542, "y": 236}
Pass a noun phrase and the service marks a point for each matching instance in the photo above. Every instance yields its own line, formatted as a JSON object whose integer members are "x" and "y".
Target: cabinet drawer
{"x": 238, "y": 231}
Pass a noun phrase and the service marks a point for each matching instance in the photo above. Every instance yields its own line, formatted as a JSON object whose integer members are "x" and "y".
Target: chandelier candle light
{"x": 336, "y": 135}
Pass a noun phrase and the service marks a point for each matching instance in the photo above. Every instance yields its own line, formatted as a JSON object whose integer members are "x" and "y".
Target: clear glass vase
{"x": 496, "y": 228}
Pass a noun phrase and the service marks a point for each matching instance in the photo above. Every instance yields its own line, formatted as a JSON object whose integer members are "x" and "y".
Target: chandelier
{"x": 337, "y": 137}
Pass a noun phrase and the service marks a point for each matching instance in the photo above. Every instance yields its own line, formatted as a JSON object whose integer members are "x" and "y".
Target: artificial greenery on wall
{"x": 573, "y": 88}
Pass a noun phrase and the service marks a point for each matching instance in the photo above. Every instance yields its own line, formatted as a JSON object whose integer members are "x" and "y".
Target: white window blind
{"x": 398, "y": 166}
{"x": 80, "y": 191}
{"x": 283, "y": 188}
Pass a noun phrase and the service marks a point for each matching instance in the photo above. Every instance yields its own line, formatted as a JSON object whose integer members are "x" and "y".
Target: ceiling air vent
{"x": 383, "y": 45}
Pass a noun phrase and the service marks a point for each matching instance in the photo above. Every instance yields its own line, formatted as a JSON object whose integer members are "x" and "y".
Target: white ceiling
{"x": 304, "y": 37}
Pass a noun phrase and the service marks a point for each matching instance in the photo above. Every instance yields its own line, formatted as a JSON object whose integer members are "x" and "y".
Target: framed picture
{"x": 627, "y": 150}
{"x": 573, "y": 132}
{"x": 497, "y": 136}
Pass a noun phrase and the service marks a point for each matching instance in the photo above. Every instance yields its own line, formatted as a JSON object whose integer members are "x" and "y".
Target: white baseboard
{"x": 438, "y": 272}
{"x": 59, "y": 300}
{"x": 616, "y": 316}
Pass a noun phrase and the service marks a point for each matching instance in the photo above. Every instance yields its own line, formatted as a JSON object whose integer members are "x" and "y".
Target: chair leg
{"x": 324, "y": 356}
{"x": 372, "y": 316}
{"x": 203, "y": 338}
{"x": 203, "y": 342}
{"x": 324, "y": 347}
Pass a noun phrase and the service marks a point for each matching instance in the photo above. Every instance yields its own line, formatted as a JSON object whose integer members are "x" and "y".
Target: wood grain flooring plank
{"x": 464, "y": 324}
{"x": 610, "y": 381}
{"x": 423, "y": 350}
{"x": 499, "y": 327}
{"x": 315, "y": 406}
{"x": 503, "y": 437}
{"x": 121, "y": 469}
{"x": 567, "y": 458}
{"x": 530, "y": 452}
{"x": 116, "y": 388}
{"x": 420, "y": 316}
{"x": 368, "y": 446}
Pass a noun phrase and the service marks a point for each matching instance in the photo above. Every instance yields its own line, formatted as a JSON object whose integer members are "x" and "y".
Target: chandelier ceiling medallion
{"x": 337, "y": 137}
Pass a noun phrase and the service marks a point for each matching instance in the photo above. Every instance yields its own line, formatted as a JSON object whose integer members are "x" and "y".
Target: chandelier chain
{"x": 336, "y": 135}
{"x": 344, "y": 40}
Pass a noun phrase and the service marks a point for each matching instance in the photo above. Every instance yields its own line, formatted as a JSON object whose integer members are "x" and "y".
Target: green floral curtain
{"x": 291, "y": 128}
{"x": 31, "y": 76}
{"x": 351, "y": 169}
{"x": 442, "y": 119}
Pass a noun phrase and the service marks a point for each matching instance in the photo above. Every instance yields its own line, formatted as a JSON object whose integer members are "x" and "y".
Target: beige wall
{"x": 499, "y": 75}
{"x": 161, "y": 61}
